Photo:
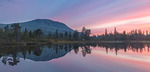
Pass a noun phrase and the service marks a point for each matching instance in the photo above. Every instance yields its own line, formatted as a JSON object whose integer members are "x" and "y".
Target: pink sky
{"x": 93, "y": 14}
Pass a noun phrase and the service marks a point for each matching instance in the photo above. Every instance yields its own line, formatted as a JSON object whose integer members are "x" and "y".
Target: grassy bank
{"x": 67, "y": 42}
{"x": 124, "y": 41}
{"x": 25, "y": 43}
{"x": 73, "y": 42}
{"x": 101, "y": 42}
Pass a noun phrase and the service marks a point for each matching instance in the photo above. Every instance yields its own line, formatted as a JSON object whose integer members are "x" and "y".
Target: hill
{"x": 46, "y": 25}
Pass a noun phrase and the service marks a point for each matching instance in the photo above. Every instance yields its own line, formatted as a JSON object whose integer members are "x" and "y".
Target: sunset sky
{"x": 93, "y": 14}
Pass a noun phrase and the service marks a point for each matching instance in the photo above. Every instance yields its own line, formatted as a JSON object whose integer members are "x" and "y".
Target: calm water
{"x": 100, "y": 57}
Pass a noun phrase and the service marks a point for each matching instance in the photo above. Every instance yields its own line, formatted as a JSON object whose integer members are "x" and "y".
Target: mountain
{"x": 46, "y": 25}
{"x": 46, "y": 55}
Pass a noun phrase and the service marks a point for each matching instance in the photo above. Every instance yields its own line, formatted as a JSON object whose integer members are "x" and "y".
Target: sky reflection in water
{"x": 100, "y": 57}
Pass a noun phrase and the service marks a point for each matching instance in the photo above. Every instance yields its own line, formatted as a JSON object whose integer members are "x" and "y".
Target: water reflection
{"x": 134, "y": 47}
{"x": 10, "y": 54}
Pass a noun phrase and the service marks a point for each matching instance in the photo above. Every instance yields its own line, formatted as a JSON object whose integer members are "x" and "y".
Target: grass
{"x": 67, "y": 42}
{"x": 124, "y": 41}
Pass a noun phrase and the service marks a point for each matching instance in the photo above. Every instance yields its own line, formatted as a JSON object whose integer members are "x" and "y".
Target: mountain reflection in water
{"x": 11, "y": 54}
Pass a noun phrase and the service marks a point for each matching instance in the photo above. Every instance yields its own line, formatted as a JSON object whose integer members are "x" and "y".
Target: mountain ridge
{"x": 46, "y": 25}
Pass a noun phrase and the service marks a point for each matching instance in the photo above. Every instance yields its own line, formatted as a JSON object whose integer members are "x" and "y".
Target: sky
{"x": 96, "y": 15}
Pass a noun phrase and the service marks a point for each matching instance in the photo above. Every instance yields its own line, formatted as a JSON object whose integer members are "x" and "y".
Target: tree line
{"x": 13, "y": 33}
{"x": 75, "y": 36}
{"x": 134, "y": 35}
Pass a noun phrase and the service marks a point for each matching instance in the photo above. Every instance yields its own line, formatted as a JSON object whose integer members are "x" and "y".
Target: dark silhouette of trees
{"x": 66, "y": 35}
{"x": 15, "y": 33}
{"x": 16, "y": 28}
{"x": 50, "y": 35}
{"x": 6, "y": 29}
{"x": 38, "y": 33}
{"x": 134, "y": 35}
{"x": 76, "y": 35}
{"x": 124, "y": 36}
{"x": 56, "y": 34}
{"x": 25, "y": 34}
{"x": 31, "y": 34}
{"x": 37, "y": 51}
{"x": 70, "y": 36}
{"x": 86, "y": 33}
{"x": 86, "y": 50}
{"x": 61, "y": 35}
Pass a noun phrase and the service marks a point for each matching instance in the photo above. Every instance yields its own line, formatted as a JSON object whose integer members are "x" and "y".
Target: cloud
{"x": 140, "y": 20}
{"x": 93, "y": 14}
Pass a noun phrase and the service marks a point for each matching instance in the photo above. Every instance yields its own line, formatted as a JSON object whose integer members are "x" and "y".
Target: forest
{"x": 134, "y": 35}
{"x": 13, "y": 33}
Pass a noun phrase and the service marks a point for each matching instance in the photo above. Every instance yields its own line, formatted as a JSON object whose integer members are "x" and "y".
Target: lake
{"x": 89, "y": 57}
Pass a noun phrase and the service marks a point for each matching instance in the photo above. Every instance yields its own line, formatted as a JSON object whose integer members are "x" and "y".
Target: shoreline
{"x": 25, "y": 43}
{"x": 67, "y": 42}
{"x": 124, "y": 41}
{"x": 100, "y": 42}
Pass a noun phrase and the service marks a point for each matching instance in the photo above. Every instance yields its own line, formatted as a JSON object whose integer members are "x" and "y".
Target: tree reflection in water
{"x": 11, "y": 54}
{"x": 11, "y": 60}
{"x": 134, "y": 47}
